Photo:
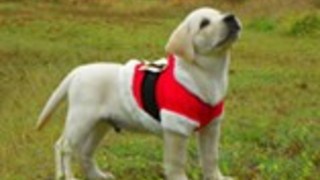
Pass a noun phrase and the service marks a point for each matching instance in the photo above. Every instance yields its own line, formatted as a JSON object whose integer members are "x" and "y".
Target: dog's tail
{"x": 54, "y": 101}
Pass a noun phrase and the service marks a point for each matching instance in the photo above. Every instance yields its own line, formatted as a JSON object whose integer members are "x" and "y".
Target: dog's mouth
{"x": 225, "y": 42}
{"x": 232, "y": 35}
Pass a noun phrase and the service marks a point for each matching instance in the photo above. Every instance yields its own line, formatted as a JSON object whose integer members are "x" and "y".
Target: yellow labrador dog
{"x": 174, "y": 97}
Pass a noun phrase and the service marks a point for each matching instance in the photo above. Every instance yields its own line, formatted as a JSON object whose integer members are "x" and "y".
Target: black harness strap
{"x": 148, "y": 94}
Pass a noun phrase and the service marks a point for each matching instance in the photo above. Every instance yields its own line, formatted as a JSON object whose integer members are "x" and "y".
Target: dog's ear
{"x": 180, "y": 42}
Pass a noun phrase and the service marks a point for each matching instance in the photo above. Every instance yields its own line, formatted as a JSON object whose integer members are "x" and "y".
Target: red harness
{"x": 172, "y": 96}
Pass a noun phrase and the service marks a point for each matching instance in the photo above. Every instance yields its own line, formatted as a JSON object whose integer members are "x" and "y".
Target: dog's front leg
{"x": 208, "y": 138}
{"x": 175, "y": 146}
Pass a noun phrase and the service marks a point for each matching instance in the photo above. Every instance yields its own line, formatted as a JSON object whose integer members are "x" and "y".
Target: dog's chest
{"x": 210, "y": 88}
{"x": 213, "y": 90}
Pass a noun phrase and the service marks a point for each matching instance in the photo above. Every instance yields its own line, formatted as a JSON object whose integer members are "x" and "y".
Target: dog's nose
{"x": 232, "y": 22}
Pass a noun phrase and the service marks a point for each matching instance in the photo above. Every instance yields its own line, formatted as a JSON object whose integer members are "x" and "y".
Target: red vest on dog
{"x": 172, "y": 96}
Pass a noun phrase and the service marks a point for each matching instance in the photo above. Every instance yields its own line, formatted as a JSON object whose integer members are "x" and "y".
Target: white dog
{"x": 174, "y": 97}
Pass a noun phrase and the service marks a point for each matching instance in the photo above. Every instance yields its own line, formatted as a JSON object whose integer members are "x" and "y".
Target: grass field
{"x": 272, "y": 126}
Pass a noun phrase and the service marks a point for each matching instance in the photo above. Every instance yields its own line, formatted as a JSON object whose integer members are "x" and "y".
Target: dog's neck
{"x": 207, "y": 77}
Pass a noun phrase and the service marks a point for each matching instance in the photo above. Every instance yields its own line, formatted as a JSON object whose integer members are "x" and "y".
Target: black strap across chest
{"x": 148, "y": 94}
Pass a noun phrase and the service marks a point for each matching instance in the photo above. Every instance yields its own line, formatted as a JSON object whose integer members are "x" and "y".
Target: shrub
{"x": 262, "y": 24}
{"x": 307, "y": 25}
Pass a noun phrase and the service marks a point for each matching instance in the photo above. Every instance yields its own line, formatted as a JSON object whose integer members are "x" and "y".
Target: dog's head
{"x": 204, "y": 32}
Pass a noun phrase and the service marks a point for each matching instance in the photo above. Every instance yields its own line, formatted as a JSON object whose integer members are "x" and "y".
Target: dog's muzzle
{"x": 232, "y": 24}
{"x": 233, "y": 30}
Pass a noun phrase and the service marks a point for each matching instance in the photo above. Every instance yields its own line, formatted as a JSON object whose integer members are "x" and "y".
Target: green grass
{"x": 271, "y": 130}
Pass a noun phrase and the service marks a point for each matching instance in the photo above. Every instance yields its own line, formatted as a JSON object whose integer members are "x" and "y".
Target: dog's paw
{"x": 226, "y": 178}
{"x": 108, "y": 176}
{"x": 62, "y": 177}
{"x": 220, "y": 177}
{"x": 101, "y": 176}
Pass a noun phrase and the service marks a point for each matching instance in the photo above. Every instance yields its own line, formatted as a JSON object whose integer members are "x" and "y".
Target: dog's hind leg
{"x": 63, "y": 157}
{"x": 80, "y": 122}
{"x": 87, "y": 149}
{"x": 58, "y": 159}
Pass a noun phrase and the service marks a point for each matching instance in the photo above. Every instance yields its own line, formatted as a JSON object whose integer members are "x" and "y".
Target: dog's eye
{"x": 205, "y": 22}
